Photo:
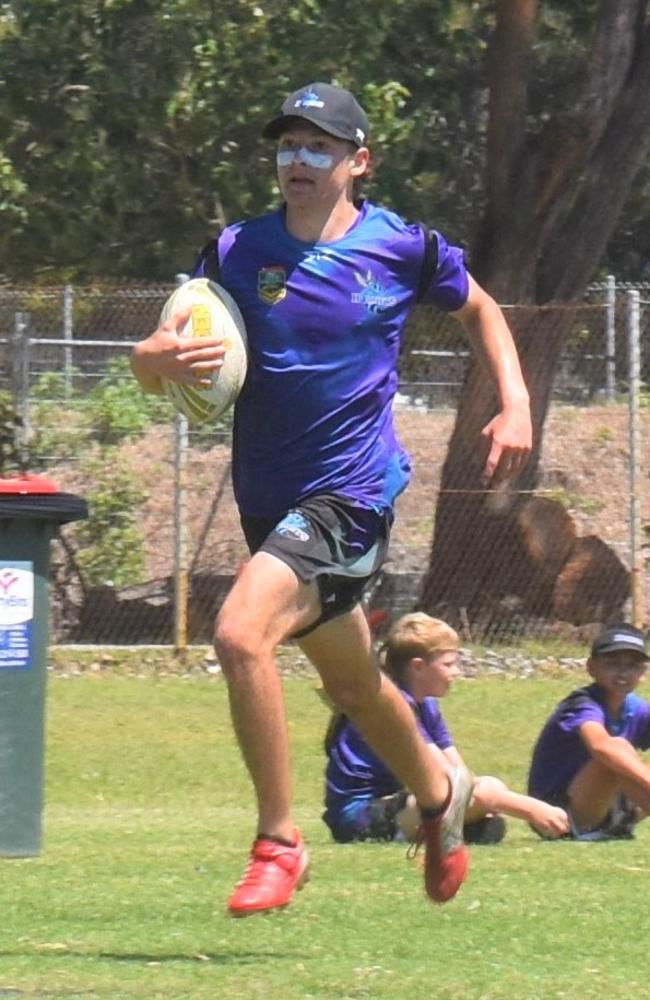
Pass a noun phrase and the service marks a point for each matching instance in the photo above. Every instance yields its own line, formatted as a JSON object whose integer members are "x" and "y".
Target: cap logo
{"x": 632, "y": 640}
{"x": 309, "y": 100}
{"x": 360, "y": 135}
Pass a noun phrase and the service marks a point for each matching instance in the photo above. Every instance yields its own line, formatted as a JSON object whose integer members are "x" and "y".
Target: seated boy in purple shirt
{"x": 585, "y": 758}
{"x": 365, "y": 801}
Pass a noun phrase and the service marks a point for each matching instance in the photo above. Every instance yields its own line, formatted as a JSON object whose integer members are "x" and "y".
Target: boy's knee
{"x": 625, "y": 745}
{"x": 486, "y": 789}
{"x": 234, "y": 644}
{"x": 351, "y": 694}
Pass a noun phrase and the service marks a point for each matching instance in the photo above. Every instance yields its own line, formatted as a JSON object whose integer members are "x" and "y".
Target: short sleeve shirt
{"x": 560, "y": 753}
{"x": 355, "y": 771}
{"x": 324, "y": 324}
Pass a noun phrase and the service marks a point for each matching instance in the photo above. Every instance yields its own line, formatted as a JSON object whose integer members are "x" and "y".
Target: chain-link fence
{"x": 163, "y": 542}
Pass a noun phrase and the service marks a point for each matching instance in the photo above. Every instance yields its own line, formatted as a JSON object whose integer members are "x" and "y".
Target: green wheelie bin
{"x": 31, "y": 510}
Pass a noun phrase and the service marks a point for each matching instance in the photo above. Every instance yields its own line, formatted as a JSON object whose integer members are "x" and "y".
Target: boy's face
{"x": 617, "y": 673}
{"x": 320, "y": 168}
{"x": 432, "y": 676}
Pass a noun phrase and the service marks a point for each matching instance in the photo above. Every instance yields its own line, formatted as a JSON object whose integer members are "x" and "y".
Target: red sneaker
{"x": 446, "y": 858}
{"x": 274, "y": 871}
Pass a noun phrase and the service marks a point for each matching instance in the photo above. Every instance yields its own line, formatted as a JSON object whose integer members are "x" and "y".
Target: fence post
{"x": 181, "y": 575}
{"x": 67, "y": 336}
{"x": 180, "y": 535}
{"x": 610, "y": 339}
{"x": 20, "y": 378}
{"x": 634, "y": 366}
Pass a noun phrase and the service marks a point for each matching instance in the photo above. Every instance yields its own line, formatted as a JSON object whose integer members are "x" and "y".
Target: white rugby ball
{"x": 214, "y": 313}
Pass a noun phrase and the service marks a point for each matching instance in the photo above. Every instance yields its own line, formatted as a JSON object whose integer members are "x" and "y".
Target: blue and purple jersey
{"x": 324, "y": 323}
{"x": 560, "y": 753}
{"x": 355, "y": 772}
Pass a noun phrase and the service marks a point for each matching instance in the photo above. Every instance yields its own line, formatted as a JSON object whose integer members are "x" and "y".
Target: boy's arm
{"x": 166, "y": 354}
{"x": 452, "y": 756}
{"x": 509, "y": 434}
{"x": 491, "y": 795}
{"x": 615, "y": 753}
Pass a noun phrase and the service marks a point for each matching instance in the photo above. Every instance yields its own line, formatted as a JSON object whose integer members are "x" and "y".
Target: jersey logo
{"x": 375, "y": 297}
{"x": 271, "y": 284}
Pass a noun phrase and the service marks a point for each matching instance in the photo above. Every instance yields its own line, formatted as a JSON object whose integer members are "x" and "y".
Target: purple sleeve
{"x": 434, "y": 728}
{"x": 449, "y": 286}
{"x": 579, "y": 712}
{"x": 640, "y": 736}
{"x": 215, "y": 248}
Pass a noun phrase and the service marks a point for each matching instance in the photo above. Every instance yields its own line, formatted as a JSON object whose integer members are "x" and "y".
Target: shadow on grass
{"x": 138, "y": 958}
{"x": 36, "y": 994}
{"x": 223, "y": 958}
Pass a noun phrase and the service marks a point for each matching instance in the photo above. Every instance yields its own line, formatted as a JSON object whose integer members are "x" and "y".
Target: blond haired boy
{"x": 365, "y": 801}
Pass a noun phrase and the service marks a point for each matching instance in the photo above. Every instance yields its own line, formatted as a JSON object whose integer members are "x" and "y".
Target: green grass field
{"x": 146, "y": 828}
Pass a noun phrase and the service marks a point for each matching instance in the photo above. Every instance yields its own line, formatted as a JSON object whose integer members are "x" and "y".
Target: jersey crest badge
{"x": 271, "y": 284}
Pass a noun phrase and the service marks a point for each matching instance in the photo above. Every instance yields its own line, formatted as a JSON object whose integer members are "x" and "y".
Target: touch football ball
{"x": 214, "y": 313}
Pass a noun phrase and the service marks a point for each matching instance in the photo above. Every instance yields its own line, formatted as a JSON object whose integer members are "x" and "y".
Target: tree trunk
{"x": 554, "y": 197}
{"x": 476, "y": 553}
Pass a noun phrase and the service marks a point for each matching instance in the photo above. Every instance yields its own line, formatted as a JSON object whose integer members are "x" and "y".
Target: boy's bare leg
{"x": 593, "y": 790}
{"x": 408, "y": 819}
{"x": 263, "y": 606}
{"x": 491, "y": 795}
{"x": 341, "y": 651}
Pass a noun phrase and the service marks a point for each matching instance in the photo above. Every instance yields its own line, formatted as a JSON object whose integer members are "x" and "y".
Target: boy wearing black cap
{"x": 325, "y": 284}
{"x": 586, "y": 756}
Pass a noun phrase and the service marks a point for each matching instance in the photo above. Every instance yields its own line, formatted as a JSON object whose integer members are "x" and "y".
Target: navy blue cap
{"x": 332, "y": 109}
{"x": 620, "y": 637}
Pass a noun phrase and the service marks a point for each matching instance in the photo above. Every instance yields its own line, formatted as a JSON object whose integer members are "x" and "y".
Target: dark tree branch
{"x": 509, "y": 69}
{"x": 588, "y": 226}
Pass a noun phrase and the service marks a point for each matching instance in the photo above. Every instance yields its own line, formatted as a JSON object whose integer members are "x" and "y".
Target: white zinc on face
{"x": 290, "y": 152}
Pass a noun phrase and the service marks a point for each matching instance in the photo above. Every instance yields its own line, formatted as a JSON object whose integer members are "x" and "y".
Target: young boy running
{"x": 365, "y": 801}
{"x": 325, "y": 284}
{"x": 586, "y": 756}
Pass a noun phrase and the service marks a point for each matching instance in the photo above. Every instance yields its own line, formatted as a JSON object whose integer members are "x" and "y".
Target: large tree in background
{"x": 556, "y": 186}
{"x": 555, "y": 190}
{"x": 129, "y": 129}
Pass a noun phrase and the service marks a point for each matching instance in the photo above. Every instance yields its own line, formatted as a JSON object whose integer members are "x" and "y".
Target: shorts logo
{"x": 271, "y": 284}
{"x": 294, "y": 525}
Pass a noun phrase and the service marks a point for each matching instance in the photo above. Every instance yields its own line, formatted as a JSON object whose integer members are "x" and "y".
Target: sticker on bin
{"x": 16, "y": 614}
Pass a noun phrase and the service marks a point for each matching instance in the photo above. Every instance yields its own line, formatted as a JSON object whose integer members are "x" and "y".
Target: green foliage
{"x": 157, "y": 110}
{"x": 148, "y": 818}
{"x": 58, "y": 427}
{"x": 67, "y": 419}
{"x": 12, "y": 193}
{"x": 70, "y": 423}
{"x": 11, "y": 453}
{"x": 109, "y": 544}
{"x": 574, "y": 501}
{"x": 603, "y": 435}
{"x": 118, "y": 409}
{"x": 131, "y": 128}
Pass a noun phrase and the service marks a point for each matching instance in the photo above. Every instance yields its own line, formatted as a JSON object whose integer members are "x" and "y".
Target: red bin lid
{"x": 27, "y": 484}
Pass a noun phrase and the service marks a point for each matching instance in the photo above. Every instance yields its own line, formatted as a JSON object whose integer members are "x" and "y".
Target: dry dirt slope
{"x": 585, "y": 464}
